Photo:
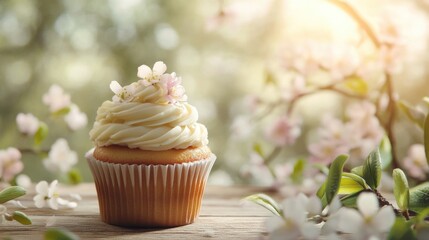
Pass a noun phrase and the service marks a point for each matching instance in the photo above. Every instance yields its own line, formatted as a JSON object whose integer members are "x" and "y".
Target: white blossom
{"x": 369, "y": 222}
{"x": 46, "y": 194}
{"x": 60, "y": 158}
{"x": 27, "y": 123}
{"x": 293, "y": 224}
{"x": 151, "y": 76}
{"x": 23, "y": 180}
{"x": 76, "y": 119}
{"x": 56, "y": 99}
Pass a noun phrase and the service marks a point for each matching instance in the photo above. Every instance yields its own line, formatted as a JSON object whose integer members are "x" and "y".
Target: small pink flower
{"x": 151, "y": 76}
{"x": 10, "y": 163}
{"x": 122, "y": 94}
{"x": 175, "y": 91}
{"x": 326, "y": 151}
{"x": 296, "y": 87}
{"x": 284, "y": 131}
{"x": 415, "y": 162}
{"x": 27, "y": 123}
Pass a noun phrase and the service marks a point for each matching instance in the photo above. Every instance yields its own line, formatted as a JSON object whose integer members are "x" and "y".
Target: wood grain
{"x": 223, "y": 216}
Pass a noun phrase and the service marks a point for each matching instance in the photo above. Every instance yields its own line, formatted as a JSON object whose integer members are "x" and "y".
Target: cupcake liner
{"x": 150, "y": 195}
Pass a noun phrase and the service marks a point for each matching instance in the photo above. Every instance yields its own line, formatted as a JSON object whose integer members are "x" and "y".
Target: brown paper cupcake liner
{"x": 150, "y": 195}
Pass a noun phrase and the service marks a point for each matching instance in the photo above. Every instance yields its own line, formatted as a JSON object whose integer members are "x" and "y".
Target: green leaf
{"x": 298, "y": 170}
{"x": 358, "y": 171}
{"x": 419, "y": 197}
{"x": 59, "y": 234}
{"x": 415, "y": 115}
{"x": 350, "y": 200}
{"x": 372, "y": 169}
{"x": 385, "y": 152}
{"x": 401, "y": 189}
{"x": 422, "y": 215}
{"x": 41, "y": 133}
{"x": 321, "y": 194}
{"x": 351, "y": 183}
{"x": 21, "y": 218}
{"x": 401, "y": 229}
{"x": 257, "y": 148}
{"x": 334, "y": 177}
{"x": 11, "y": 193}
{"x": 356, "y": 84}
{"x": 61, "y": 112}
{"x": 74, "y": 176}
{"x": 266, "y": 202}
{"x": 426, "y": 137}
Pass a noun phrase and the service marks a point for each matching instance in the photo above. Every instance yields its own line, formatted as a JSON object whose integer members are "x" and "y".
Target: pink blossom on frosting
{"x": 284, "y": 131}
{"x": 151, "y": 76}
{"x": 10, "y": 163}
{"x": 56, "y": 99}
{"x": 415, "y": 162}
{"x": 27, "y": 123}
{"x": 175, "y": 91}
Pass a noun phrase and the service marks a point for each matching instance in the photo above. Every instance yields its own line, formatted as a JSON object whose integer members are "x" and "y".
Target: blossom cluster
{"x": 303, "y": 218}
{"x": 360, "y": 134}
{"x": 169, "y": 82}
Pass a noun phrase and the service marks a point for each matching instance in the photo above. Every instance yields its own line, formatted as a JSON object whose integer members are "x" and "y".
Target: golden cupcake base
{"x": 146, "y": 195}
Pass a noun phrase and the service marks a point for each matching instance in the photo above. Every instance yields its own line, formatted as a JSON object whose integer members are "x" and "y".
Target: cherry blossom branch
{"x": 31, "y": 151}
{"x": 347, "y": 8}
{"x": 274, "y": 153}
{"x": 330, "y": 87}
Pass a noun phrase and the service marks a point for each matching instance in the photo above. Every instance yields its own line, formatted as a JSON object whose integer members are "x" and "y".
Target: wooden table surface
{"x": 222, "y": 216}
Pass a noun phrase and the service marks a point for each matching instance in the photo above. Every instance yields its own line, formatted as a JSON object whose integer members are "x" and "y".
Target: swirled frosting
{"x": 150, "y": 115}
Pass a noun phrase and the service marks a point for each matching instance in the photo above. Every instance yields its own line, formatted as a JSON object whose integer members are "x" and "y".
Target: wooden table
{"x": 222, "y": 216}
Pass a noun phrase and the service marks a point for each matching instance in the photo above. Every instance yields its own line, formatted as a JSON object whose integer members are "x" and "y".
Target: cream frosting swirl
{"x": 143, "y": 117}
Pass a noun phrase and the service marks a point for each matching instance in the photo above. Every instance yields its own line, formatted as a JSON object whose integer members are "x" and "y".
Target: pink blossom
{"x": 296, "y": 87}
{"x": 175, "y": 91}
{"x": 341, "y": 60}
{"x": 284, "y": 131}
{"x": 27, "y": 123}
{"x": 10, "y": 163}
{"x": 257, "y": 171}
{"x": 415, "y": 162}
{"x": 56, "y": 99}
{"x": 325, "y": 151}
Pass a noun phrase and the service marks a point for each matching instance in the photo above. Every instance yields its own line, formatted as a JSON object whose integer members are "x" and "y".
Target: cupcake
{"x": 151, "y": 160}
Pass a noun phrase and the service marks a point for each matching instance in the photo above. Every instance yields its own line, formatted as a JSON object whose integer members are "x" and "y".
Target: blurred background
{"x": 222, "y": 49}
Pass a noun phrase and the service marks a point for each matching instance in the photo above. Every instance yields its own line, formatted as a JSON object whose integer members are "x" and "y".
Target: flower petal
{"x": 384, "y": 219}
{"x": 350, "y": 221}
{"x": 144, "y": 72}
{"x": 42, "y": 188}
{"x": 335, "y": 205}
{"x": 115, "y": 87}
{"x": 53, "y": 203}
{"x": 367, "y": 204}
{"x": 314, "y": 206}
{"x": 52, "y": 188}
{"x": 39, "y": 201}
{"x": 159, "y": 68}
{"x": 309, "y": 230}
{"x": 274, "y": 222}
